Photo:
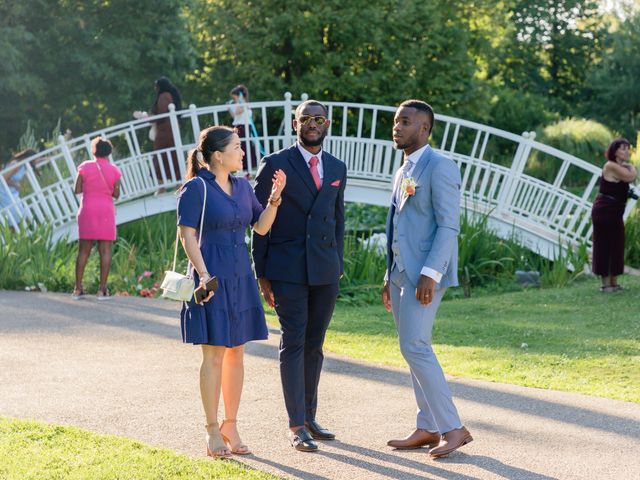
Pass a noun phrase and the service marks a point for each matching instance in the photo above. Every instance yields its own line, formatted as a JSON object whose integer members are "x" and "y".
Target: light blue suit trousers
{"x": 414, "y": 322}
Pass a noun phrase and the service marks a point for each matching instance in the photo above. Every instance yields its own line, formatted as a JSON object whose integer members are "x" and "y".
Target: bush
{"x": 632, "y": 239}
{"x": 144, "y": 250}
{"x": 518, "y": 111}
{"x": 585, "y": 139}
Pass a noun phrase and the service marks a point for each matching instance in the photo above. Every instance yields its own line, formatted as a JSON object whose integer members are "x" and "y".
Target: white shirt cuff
{"x": 431, "y": 273}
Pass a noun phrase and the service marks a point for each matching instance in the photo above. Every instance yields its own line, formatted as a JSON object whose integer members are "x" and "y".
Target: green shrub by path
{"x": 632, "y": 239}
{"x": 573, "y": 339}
{"x": 144, "y": 250}
{"x": 39, "y": 451}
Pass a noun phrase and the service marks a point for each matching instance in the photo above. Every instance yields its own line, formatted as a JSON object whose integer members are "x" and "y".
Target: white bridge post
{"x": 520, "y": 159}
{"x": 195, "y": 123}
{"x": 177, "y": 139}
{"x": 67, "y": 155}
{"x": 287, "y": 117}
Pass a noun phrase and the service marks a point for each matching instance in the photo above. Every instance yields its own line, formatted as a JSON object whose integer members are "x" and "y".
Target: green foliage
{"x": 34, "y": 260}
{"x": 90, "y": 63}
{"x": 144, "y": 250}
{"x": 515, "y": 64}
{"x": 613, "y": 82}
{"x": 482, "y": 257}
{"x": 549, "y": 48}
{"x": 586, "y": 139}
{"x": 632, "y": 239}
{"x": 361, "y": 217}
{"x": 520, "y": 111}
{"x": 360, "y": 51}
{"x": 567, "y": 266}
{"x": 364, "y": 267}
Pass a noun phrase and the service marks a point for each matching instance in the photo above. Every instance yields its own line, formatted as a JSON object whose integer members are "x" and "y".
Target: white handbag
{"x": 177, "y": 286}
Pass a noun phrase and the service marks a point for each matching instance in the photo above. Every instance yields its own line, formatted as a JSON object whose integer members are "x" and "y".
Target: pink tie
{"x": 313, "y": 161}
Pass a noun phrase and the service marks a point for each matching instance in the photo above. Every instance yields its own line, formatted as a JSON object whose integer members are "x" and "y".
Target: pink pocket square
{"x": 336, "y": 183}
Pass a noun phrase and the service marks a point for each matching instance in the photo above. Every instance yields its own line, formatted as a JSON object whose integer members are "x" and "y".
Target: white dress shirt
{"x": 306, "y": 154}
{"x": 413, "y": 158}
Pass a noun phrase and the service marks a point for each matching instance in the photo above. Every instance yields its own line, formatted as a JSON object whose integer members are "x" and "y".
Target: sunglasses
{"x": 319, "y": 119}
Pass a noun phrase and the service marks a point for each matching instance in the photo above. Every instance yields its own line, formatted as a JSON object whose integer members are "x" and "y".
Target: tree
{"x": 88, "y": 62}
{"x": 614, "y": 81}
{"x": 549, "y": 49}
{"x": 378, "y": 51}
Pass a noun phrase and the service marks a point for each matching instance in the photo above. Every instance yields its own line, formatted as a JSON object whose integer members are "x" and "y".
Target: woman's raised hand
{"x": 279, "y": 181}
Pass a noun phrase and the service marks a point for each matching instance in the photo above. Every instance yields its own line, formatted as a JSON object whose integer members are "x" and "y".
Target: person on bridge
{"x": 166, "y": 94}
{"x": 223, "y": 323}
{"x": 607, "y": 215}
{"x": 300, "y": 263}
{"x": 242, "y": 120}
{"x": 10, "y": 196}
{"x": 422, "y": 262}
{"x": 99, "y": 182}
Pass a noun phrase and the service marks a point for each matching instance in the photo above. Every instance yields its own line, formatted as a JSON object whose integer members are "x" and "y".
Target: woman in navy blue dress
{"x": 224, "y": 322}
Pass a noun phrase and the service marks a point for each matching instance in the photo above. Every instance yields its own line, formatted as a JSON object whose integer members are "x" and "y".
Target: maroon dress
{"x": 608, "y": 228}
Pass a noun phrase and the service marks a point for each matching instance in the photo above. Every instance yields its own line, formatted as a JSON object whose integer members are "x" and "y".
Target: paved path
{"x": 119, "y": 368}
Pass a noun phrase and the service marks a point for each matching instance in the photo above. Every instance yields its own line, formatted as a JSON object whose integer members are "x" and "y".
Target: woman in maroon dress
{"x": 607, "y": 213}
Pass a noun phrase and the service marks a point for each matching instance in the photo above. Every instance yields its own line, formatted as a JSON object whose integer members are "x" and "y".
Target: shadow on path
{"x": 429, "y": 465}
{"x": 127, "y": 314}
{"x": 511, "y": 401}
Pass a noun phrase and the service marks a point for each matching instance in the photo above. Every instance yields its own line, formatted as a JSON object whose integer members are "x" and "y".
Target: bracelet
{"x": 275, "y": 201}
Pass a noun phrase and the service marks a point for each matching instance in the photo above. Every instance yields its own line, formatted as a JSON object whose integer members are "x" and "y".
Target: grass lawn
{"x": 33, "y": 450}
{"x": 574, "y": 339}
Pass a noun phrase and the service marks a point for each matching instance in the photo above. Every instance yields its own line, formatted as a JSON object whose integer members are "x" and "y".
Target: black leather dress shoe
{"x": 301, "y": 440}
{"x": 318, "y": 432}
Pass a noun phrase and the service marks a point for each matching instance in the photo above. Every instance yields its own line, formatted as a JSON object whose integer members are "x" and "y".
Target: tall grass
{"x": 632, "y": 239}
{"x": 144, "y": 250}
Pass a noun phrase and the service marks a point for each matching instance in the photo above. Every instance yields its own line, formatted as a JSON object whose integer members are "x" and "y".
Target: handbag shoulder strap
{"x": 204, "y": 203}
{"x": 102, "y": 174}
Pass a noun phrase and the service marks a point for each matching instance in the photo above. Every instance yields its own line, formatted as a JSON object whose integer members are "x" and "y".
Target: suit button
{"x": 309, "y": 217}
{"x": 308, "y": 236}
{"x": 324, "y": 237}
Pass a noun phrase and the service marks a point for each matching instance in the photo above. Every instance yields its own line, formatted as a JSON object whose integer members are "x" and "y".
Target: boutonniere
{"x": 409, "y": 186}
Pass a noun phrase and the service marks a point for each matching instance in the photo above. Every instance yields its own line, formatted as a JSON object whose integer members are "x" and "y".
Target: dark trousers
{"x": 304, "y": 312}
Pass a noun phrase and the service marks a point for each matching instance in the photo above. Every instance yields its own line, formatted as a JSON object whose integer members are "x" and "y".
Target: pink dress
{"x": 97, "y": 213}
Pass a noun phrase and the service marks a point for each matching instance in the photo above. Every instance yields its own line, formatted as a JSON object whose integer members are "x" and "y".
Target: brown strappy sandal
{"x": 241, "y": 448}
{"x": 215, "y": 443}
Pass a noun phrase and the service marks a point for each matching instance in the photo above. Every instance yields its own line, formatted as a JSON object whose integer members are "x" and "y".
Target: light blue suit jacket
{"x": 429, "y": 221}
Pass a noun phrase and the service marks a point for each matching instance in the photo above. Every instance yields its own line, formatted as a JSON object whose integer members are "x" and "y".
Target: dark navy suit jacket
{"x": 306, "y": 242}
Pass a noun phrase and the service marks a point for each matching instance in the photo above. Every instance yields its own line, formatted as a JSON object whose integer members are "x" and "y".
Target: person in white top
{"x": 242, "y": 118}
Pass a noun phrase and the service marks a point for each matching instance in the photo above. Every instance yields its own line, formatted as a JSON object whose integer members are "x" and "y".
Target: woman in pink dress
{"x": 99, "y": 182}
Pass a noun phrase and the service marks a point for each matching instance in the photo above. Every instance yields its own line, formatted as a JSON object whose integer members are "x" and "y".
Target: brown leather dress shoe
{"x": 451, "y": 441}
{"x": 417, "y": 439}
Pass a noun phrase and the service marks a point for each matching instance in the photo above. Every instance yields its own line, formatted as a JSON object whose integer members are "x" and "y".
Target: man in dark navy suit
{"x": 300, "y": 261}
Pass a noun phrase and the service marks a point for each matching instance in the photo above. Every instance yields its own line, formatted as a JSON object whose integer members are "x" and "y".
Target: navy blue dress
{"x": 234, "y": 315}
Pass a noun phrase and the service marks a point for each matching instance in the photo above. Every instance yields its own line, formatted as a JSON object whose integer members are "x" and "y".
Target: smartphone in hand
{"x": 200, "y": 293}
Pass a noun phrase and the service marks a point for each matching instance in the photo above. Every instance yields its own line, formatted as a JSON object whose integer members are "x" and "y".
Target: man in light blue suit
{"x": 422, "y": 261}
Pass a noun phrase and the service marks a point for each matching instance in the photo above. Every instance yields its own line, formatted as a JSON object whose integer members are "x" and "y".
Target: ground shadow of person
{"x": 431, "y": 467}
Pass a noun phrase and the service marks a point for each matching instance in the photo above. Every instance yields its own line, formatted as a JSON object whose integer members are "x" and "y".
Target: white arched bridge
{"x": 544, "y": 214}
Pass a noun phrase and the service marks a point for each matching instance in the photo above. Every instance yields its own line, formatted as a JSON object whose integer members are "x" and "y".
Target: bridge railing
{"x": 497, "y": 178}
